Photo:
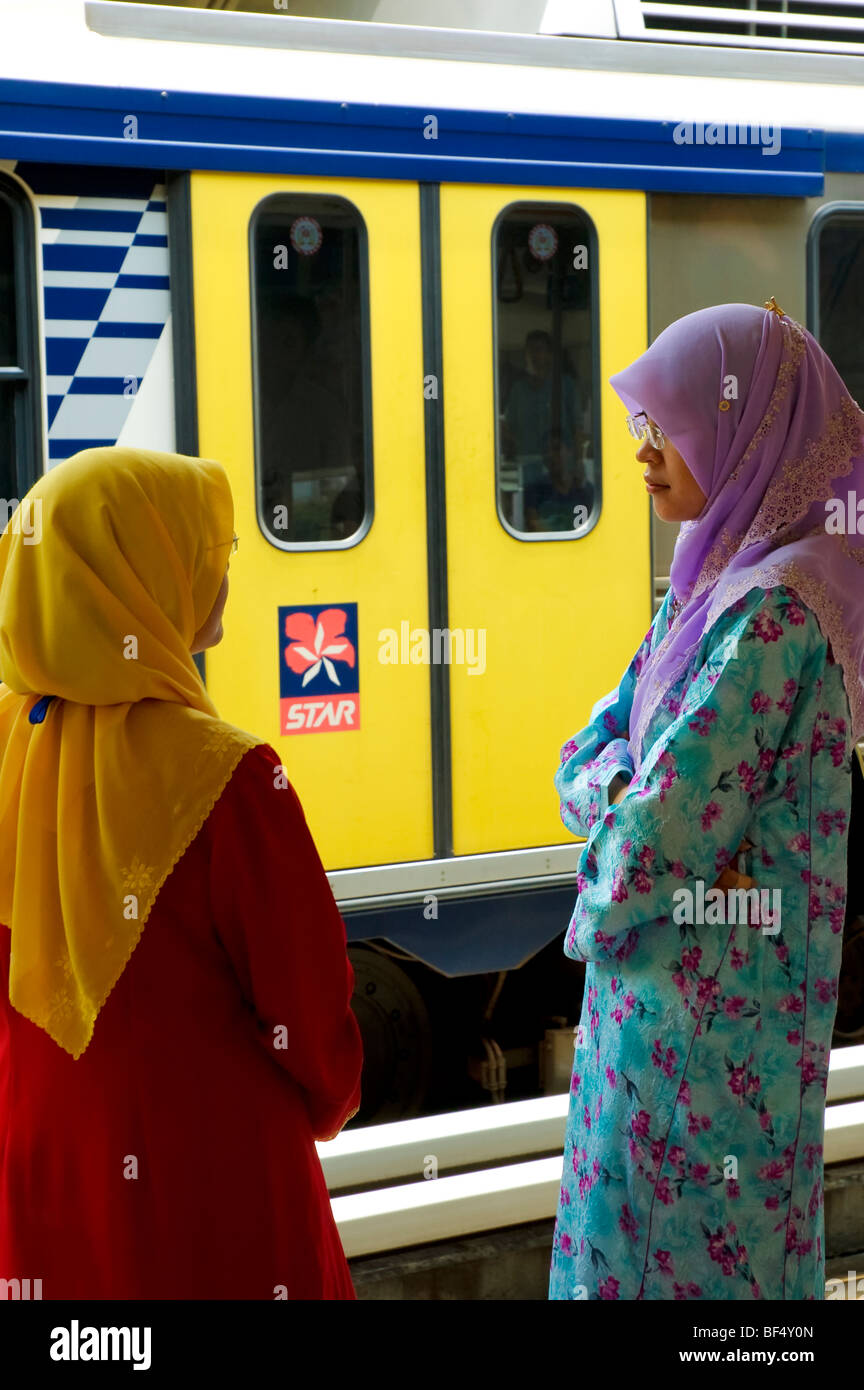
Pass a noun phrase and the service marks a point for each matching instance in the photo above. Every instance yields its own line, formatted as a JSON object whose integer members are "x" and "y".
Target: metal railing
{"x": 418, "y": 1197}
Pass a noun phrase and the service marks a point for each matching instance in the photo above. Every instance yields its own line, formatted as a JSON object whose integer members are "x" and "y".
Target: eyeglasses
{"x": 234, "y": 543}
{"x": 639, "y": 425}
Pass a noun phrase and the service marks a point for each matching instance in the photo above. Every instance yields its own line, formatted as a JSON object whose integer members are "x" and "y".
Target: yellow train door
{"x": 308, "y": 325}
{"x": 547, "y": 521}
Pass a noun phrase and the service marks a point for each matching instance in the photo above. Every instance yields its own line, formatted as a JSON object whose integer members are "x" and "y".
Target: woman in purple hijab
{"x": 693, "y": 1163}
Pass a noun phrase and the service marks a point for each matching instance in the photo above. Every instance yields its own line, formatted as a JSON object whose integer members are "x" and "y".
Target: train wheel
{"x": 397, "y": 1038}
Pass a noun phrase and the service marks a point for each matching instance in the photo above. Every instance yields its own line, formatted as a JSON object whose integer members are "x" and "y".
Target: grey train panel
{"x": 706, "y": 250}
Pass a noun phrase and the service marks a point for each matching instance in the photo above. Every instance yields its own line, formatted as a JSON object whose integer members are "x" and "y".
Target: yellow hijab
{"x": 108, "y": 568}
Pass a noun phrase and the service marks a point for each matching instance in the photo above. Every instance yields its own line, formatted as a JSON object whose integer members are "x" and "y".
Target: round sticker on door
{"x": 306, "y": 235}
{"x": 542, "y": 241}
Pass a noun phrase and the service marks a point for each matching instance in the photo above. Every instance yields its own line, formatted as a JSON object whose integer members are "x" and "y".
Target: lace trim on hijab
{"x": 715, "y": 562}
{"x": 813, "y": 592}
{"x": 808, "y": 478}
{"x": 727, "y": 546}
{"x": 794, "y": 348}
{"x": 718, "y": 557}
{"x": 829, "y": 614}
{"x": 856, "y": 555}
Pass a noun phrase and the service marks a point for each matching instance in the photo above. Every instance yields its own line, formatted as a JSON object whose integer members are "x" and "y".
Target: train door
{"x": 548, "y": 541}
{"x": 309, "y": 356}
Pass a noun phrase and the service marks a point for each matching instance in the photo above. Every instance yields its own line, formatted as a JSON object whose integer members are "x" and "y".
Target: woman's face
{"x": 210, "y": 631}
{"x": 678, "y": 497}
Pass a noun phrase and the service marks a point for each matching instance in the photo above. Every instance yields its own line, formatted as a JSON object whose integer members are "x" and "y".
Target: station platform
{"x": 513, "y": 1262}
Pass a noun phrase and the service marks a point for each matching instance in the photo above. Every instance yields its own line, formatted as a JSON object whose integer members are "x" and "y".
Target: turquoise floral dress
{"x": 693, "y": 1161}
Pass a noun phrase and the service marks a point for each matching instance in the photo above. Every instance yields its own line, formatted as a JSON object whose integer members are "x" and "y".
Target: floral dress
{"x": 693, "y": 1161}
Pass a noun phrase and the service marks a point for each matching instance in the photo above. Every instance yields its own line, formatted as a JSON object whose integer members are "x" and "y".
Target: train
{"x": 383, "y": 273}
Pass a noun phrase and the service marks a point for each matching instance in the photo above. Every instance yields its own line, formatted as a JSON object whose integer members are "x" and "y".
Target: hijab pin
{"x": 773, "y": 306}
{"x": 39, "y": 710}
{"x": 724, "y": 405}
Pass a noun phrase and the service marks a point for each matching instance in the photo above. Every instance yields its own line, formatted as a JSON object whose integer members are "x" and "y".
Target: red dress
{"x": 175, "y": 1159}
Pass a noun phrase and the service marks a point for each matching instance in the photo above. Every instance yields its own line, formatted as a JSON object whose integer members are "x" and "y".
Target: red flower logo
{"x": 315, "y": 642}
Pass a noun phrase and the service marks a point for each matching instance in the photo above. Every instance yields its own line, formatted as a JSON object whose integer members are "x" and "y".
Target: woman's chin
{"x": 663, "y": 506}
{"x": 665, "y": 509}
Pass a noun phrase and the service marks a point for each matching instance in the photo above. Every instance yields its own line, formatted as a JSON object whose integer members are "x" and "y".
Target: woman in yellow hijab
{"x": 160, "y": 1089}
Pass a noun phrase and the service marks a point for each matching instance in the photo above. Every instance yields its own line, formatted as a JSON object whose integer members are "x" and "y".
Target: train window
{"x": 837, "y": 290}
{"x": 8, "y": 326}
{"x": 546, "y": 344}
{"x": 311, "y": 358}
{"x": 20, "y": 406}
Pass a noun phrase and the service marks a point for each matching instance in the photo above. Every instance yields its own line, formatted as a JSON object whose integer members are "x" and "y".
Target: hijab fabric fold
{"x": 108, "y": 568}
{"x": 766, "y": 426}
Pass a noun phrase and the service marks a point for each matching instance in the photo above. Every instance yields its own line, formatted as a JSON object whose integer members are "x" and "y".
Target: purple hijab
{"x": 764, "y": 423}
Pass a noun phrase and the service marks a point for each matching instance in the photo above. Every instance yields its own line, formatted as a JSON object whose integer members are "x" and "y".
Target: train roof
{"x": 264, "y": 93}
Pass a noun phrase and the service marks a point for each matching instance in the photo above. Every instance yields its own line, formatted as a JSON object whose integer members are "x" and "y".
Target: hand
{"x": 619, "y": 787}
{"x": 730, "y": 878}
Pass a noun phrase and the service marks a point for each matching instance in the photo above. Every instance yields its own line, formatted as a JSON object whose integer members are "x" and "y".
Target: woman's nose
{"x": 646, "y": 451}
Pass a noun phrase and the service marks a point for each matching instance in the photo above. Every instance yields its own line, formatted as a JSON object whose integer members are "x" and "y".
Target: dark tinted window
{"x": 8, "y": 355}
{"x": 8, "y": 329}
{"x": 20, "y": 407}
{"x": 8, "y": 479}
{"x": 311, "y": 369}
{"x": 546, "y": 351}
{"x": 840, "y": 295}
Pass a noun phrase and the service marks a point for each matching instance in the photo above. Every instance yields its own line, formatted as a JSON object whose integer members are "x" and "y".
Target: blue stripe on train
{"x": 90, "y": 219}
{"x": 65, "y": 303}
{"x": 99, "y": 385}
{"x": 62, "y": 355}
{"x": 281, "y": 135}
{"x": 65, "y": 448}
{"x": 142, "y": 282}
{"x": 60, "y": 256}
{"x": 128, "y": 330}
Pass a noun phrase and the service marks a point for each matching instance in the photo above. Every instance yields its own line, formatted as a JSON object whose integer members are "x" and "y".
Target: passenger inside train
{"x": 565, "y": 497}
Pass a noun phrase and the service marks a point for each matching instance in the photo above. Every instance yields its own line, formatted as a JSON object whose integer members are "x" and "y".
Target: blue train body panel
{"x": 134, "y": 128}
